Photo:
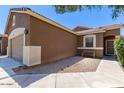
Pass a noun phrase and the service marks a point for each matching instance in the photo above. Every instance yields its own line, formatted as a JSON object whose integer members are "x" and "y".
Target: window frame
{"x": 94, "y": 41}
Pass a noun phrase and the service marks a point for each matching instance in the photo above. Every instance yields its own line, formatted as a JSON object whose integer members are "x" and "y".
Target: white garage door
{"x": 17, "y": 48}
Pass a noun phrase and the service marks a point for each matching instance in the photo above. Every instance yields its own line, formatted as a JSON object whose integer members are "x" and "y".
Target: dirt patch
{"x": 68, "y": 65}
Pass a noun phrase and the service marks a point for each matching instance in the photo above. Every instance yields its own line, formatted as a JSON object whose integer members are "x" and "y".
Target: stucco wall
{"x": 99, "y": 53}
{"x": 114, "y": 32}
{"x": 4, "y": 41}
{"x": 99, "y": 40}
{"x": 80, "y": 41}
{"x": 22, "y": 21}
{"x": 55, "y": 42}
{"x": 99, "y": 43}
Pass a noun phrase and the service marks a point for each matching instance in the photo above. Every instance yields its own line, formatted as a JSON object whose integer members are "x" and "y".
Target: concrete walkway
{"x": 109, "y": 66}
{"x": 108, "y": 74}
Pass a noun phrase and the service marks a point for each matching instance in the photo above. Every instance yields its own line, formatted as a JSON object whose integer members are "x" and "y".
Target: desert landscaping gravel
{"x": 68, "y": 65}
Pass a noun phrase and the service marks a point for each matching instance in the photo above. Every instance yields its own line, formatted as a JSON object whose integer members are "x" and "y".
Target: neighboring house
{"x": 34, "y": 39}
{"x": 3, "y": 44}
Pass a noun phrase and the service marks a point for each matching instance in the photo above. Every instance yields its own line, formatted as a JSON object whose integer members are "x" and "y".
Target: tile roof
{"x": 81, "y": 28}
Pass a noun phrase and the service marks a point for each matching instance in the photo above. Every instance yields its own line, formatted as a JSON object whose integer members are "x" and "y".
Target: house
{"x": 34, "y": 39}
{"x": 3, "y": 44}
{"x": 98, "y": 42}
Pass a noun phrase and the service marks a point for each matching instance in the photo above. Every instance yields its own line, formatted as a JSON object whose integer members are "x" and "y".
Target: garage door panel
{"x": 17, "y": 47}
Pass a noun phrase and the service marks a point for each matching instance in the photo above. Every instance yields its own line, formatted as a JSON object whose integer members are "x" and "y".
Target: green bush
{"x": 119, "y": 49}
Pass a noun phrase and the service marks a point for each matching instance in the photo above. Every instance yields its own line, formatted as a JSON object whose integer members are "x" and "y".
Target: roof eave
{"x": 3, "y": 35}
{"x": 91, "y": 31}
{"x": 111, "y": 27}
{"x": 7, "y": 22}
{"x": 94, "y": 32}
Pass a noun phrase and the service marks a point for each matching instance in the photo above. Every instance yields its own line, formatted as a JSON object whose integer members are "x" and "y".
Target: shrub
{"x": 119, "y": 49}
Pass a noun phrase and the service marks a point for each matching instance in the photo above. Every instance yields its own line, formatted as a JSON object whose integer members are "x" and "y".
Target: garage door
{"x": 17, "y": 48}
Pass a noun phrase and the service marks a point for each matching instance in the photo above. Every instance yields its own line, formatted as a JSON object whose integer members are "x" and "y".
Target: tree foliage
{"x": 119, "y": 49}
{"x": 116, "y": 10}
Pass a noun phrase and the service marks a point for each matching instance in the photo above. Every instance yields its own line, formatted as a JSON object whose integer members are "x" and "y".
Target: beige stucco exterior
{"x": 55, "y": 43}
{"x": 114, "y": 32}
{"x": 100, "y": 41}
{"x": 45, "y": 41}
{"x": 31, "y": 55}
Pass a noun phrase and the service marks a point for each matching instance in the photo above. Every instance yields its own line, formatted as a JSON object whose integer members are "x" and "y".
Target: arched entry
{"x": 16, "y": 42}
{"x": 109, "y": 45}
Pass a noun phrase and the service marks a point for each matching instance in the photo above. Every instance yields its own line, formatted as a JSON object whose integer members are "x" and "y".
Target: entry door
{"x": 17, "y": 47}
{"x": 109, "y": 47}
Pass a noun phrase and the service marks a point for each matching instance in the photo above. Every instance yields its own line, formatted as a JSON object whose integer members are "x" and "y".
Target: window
{"x": 13, "y": 21}
{"x": 89, "y": 41}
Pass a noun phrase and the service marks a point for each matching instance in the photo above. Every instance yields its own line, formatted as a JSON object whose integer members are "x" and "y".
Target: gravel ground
{"x": 85, "y": 65}
{"x": 68, "y": 65}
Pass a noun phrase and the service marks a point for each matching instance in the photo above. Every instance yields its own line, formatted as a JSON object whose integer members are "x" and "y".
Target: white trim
{"x": 90, "y": 31}
{"x": 95, "y": 48}
{"x": 106, "y": 46}
{"x": 94, "y": 41}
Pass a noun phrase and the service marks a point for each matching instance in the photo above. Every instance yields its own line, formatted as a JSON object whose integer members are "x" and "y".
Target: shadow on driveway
{"x": 31, "y": 75}
{"x": 43, "y": 74}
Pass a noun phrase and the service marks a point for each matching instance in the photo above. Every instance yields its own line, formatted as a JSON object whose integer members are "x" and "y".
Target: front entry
{"x": 109, "y": 47}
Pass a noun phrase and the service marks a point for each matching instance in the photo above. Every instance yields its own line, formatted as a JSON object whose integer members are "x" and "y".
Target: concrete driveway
{"x": 6, "y": 65}
{"x": 108, "y": 74}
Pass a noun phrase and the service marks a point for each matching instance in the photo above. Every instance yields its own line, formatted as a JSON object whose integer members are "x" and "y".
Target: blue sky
{"x": 93, "y": 18}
